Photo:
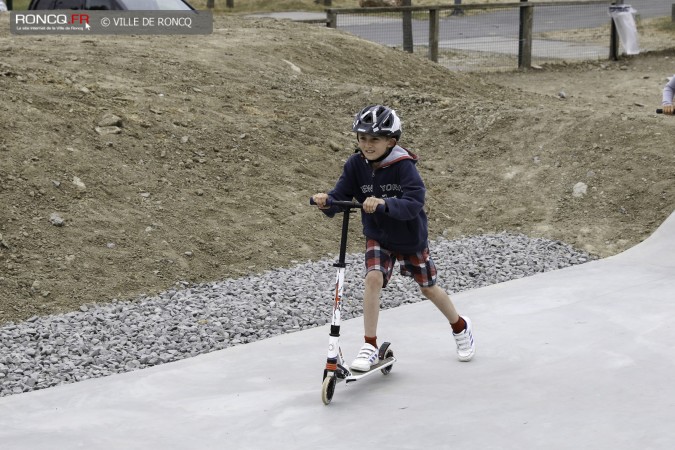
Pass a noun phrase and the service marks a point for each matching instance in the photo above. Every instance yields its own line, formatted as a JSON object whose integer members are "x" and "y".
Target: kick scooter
{"x": 336, "y": 370}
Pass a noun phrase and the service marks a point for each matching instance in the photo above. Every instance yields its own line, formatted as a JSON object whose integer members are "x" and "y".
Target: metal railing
{"x": 506, "y": 31}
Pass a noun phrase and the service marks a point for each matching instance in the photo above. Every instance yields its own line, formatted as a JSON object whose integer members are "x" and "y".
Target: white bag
{"x": 623, "y": 18}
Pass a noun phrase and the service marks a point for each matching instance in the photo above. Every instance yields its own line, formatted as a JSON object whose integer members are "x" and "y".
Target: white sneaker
{"x": 464, "y": 340}
{"x": 365, "y": 359}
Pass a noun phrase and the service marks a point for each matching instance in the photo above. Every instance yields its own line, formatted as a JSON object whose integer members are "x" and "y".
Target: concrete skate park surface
{"x": 579, "y": 358}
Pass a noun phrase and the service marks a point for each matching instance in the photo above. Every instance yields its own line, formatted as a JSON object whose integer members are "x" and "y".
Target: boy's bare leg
{"x": 371, "y": 302}
{"x": 442, "y": 301}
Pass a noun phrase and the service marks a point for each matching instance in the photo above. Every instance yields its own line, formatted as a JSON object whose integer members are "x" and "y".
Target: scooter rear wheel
{"x": 388, "y": 354}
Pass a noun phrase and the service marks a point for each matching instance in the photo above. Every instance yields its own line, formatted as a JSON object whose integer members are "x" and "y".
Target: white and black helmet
{"x": 378, "y": 120}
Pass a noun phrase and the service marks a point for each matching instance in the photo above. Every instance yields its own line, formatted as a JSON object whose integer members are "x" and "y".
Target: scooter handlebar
{"x": 347, "y": 204}
{"x": 340, "y": 203}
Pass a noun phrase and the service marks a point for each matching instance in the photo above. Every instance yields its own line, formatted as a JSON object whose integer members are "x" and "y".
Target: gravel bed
{"x": 120, "y": 336}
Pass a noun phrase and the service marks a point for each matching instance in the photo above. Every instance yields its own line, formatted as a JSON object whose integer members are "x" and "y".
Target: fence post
{"x": 210, "y": 4}
{"x": 525, "y": 36}
{"x": 672, "y": 12}
{"x": 230, "y": 3}
{"x": 407, "y": 27}
{"x": 457, "y": 11}
{"x": 10, "y": 5}
{"x": 331, "y": 18}
{"x": 434, "y": 25}
{"x": 614, "y": 37}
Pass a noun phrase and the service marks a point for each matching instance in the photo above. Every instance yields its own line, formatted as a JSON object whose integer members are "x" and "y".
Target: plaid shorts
{"x": 419, "y": 266}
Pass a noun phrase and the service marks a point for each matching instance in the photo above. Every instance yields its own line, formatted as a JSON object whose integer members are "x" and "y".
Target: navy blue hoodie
{"x": 402, "y": 226}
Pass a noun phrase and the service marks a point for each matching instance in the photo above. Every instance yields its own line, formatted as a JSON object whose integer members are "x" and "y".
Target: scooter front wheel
{"x": 328, "y": 389}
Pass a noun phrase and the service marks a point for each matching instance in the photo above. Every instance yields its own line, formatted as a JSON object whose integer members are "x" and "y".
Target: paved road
{"x": 502, "y": 23}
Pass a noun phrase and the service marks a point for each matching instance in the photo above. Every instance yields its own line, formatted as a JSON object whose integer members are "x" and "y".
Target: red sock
{"x": 372, "y": 340}
{"x": 458, "y": 326}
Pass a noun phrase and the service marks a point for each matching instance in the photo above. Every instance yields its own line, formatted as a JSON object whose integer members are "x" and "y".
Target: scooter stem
{"x": 343, "y": 240}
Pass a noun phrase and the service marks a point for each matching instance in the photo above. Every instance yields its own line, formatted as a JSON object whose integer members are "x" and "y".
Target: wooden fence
{"x": 525, "y": 26}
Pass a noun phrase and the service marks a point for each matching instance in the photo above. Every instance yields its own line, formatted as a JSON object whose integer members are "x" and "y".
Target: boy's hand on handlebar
{"x": 370, "y": 204}
{"x": 320, "y": 200}
{"x": 668, "y": 110}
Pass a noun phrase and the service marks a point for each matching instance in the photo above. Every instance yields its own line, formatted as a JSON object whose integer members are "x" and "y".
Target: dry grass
{"x": 653, "y": 34}
{"x": 20, "y": 4}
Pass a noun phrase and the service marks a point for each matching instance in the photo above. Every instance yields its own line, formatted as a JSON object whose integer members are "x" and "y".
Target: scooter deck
{"x": 381, "y": 364}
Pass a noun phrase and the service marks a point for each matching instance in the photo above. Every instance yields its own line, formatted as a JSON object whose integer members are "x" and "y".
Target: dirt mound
{"x": 129, "y": 164}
